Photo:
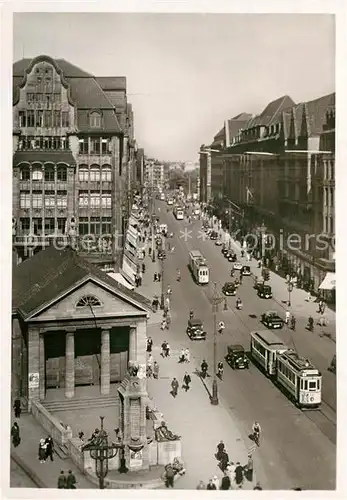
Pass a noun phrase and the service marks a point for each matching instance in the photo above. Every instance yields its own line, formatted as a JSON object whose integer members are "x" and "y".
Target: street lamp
{"x": 290, "y": 289}
{"x": 102, "y": 451}
{"x": 162, "y": 298}
{"x": 216, "y": 300}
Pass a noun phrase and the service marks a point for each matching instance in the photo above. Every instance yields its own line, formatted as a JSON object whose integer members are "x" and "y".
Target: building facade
{"x": 154, "y": 174}
{"x": 72, "y": 138}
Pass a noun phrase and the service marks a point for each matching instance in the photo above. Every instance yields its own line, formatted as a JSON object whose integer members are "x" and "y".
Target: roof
{"x": 236, "y": 347}
{"x": 112, "y": 82}
{"x": 268, "y": 336}
{"x": 49, "y": 273}
{"x": 316, "y": 113}
{"x": 272, "y": 112}
{"x": 69, "y": 70}
{"x": 109, "y": 122}
{"x": 43, "y": 157}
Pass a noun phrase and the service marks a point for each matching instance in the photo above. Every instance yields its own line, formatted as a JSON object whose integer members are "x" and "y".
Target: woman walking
{"x": 15, "y": 434}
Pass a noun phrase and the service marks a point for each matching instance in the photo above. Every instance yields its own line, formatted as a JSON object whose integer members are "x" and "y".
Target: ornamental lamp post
{"x": 290, "y": 289}
{"x": 102, "y": 451}
{"x": 216, "y": 300}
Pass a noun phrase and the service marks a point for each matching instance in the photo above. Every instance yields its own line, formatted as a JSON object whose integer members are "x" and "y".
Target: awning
{"x": 118, "y": 277}
{"x": 329, "y": 282}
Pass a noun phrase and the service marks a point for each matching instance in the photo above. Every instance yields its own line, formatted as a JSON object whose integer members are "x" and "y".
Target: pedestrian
{"x": 320, "y": 307}
{"x": 211, "y": 485}
{"x": 149, "y": 344}
{"x": 140, "y": 278}
{"x": 62, "y": 481}
{"x": 174, "y": 386}
{"x": 163, "y": 324}
{"x": 168, "y": 320}
{"x": 215, "y": 481}
{"x": 49, "y": 448}
{"x": 71, "y": 481}
{"x": 249, "y": 468}
{"x": 155, "y": 370}
{"x": 201, "y": 486}
{"x": 167, "y": 350}
{"x": 15, "y": 434}
{"x": 224, "y": 460}
{"x": 187, "y": 355}
{"x": 220, "y": 449}
{"x": 287, "y": 317}
{"x": 149, "y": 371}
{"x": 149, "y": 251}
{"x": 169, "y": 476}
{"x": 150, "y": 360}
{"x": 17, "y": 408}
{"x": 159, "y": 277}
{"x": 186, "y": 381}
{"x": 163, "y": 348}
{"x": 241, "y": 278}
{"x": 226, "y": 483}
{"x": 42, "y": 451}
{"x": 182, "y": 357}
{"x": 167, "y": 303}
{"x": 238, "y": 475}
{"x": 155, "y": 277}
{"x": 143, "y": 268}
{"x": 231, "y": 473}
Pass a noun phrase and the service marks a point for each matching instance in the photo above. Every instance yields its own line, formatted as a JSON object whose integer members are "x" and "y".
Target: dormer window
{"x": 95, "y": 119}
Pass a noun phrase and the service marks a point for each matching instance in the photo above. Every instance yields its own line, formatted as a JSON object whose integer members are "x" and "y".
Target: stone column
{"x": 105, "y": 362}
{"x": 42, "y": 367}
{"x": 132, "y": 355}
{"x": 33, "y": 365}
{"x": 70, "y": 364}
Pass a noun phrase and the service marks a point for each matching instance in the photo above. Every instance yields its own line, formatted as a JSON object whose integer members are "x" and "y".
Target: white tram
{"x": 198, "y": 267}
{"x": 265, "y": 346}
{"x": 178, "y": 212}
{"x": 296, "y": 376}
{"x": 300, "y": 379}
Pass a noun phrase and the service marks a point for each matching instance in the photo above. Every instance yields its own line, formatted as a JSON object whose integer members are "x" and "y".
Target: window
{"x": 37, "y": 224}
{"x": 305, "y": 385}
{"x": 48, "y": 119}
{"x": 49, "y": 199}
{"x": 56, "y": 119}
{"x": 106, "y": 173}
{"x": 22, "y": 117}
{"x": 30, "y": 118}
{"x": 61, "y": 225}
{"x": 25, "y": 225}
{"x": 83, "y": 173}
{"x": 83, "y": 226}
{"x": 332, "y": 201}
{"x": 83, "y": 198}
{"x": 95, "y": 173}
{"x": 65, "y": 119}
{"x": 106, "y": 225}
{"x": 106, "y": 201}
{"x": 94, "y": 225}
{"x": 25, "y": 174}
{"x": 95, "y": 120}
{"x": 49, "y": 174}
{"x": 62, "y": 174}
{"x": 37, "y": 199}
{"x": 49, "y": 226}
{"x": 61, "y": 199}
{"x": 37, "y": 174}
{"x": 30, "y": 97}
{"x": 84, "y": 149}
{"x": 25, "y": 199}
{"x": 39, "y": 119}
{"x": 95, "y": 199}
{"x": 105, "y": 146}
{"x": 312, "y": 385}
{"x": 88, "y": 301}
{"x": 95, "y": 145}
{"x": 56, "y": 97}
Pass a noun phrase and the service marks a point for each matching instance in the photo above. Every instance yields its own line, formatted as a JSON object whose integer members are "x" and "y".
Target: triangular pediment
{"x": 87, "y": 299}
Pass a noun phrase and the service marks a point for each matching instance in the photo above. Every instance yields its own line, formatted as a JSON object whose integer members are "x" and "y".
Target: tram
{"x": 198, "y": 267}
{"x": 178, "y": 213}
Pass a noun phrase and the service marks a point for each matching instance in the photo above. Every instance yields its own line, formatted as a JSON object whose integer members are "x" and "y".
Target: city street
{"x": 298, "y": 448}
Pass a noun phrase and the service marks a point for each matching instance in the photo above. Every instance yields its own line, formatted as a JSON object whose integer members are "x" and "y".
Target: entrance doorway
{"x": 54, "y": 359}
{"x": 87, "y": 357}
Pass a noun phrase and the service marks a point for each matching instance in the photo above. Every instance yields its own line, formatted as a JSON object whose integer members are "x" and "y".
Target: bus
{"x": 198, "y": 267}
{"x": 178, "y": 213}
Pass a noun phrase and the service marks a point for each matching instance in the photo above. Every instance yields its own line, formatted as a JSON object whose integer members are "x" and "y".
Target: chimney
{"x": 227, "y": 135}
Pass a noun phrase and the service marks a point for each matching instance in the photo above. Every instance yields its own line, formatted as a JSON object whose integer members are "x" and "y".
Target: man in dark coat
{"x": 17, "y": 408}
{"x": 239, "y": 474}
{"x": 174, "y": 386}
{"x": 15, "y": 434}
{"x": 220, "y": 450}
{"x": 211, "y": 485}
{"x": 226, "y": 483}
{"x": 71, "y": 481}
{"x": 169, "y": 476}
{"x": 149, "y": 344}
{"x": 224, "y": 460}
{"x": 186, "y": 381}
{"x": 249, "y": 468}
{"x": 49, "y": 447}
{"x": 61, "y": 480}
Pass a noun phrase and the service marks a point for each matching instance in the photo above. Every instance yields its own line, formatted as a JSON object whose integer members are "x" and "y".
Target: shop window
{"x": 62, "y": 174}
{"x": 88, "y": 301}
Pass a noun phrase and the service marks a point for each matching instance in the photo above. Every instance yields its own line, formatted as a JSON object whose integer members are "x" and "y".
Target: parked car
{"x": 225, "y": 251}
{"x": 232, "y": 257}
{"x": 238, "y": 266}
{"x": 236, "y": 357}
{"x": 161, "y": 254}
{"x": 271, "y": 319}
{"x": 218, "y": 243}
{"x": 213, "y": 235}
{"x": 229, "y": 288}
{"x": 264, "y": 291}
{"x": 246, "y": 271}
{"x": 195, "y": 329}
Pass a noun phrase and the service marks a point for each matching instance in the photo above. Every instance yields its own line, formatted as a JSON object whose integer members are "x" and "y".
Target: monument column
{"x": 105, "y": 362}
{"x": 42, "y": 367}
{"x": 70, "y": 364}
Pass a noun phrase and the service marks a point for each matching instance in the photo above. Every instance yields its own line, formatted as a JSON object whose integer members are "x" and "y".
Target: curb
{"x": 115, "y": 484}
{"x": 33, "y": 476}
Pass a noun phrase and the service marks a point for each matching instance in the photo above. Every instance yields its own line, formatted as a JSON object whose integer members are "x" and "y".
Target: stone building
{"x": 72, "y": 147}
{"x": 72, "y": 325}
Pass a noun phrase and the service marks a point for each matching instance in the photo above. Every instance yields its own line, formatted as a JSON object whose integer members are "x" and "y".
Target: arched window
{"x": 37, "y": 173}
{"x": 88, "y": 301}
{"x": 25, "y": 173}
{"x": 106, "y": 173}
{"x": 94, "y": 173}
{"x": 62, "y": 174}
{"x": 95, "y": 119}
{"x": 49, "y": 173}
{"x": 83, "y": 173}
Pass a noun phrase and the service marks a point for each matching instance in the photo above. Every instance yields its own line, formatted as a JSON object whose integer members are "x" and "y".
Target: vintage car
{"x": 161, "y": 254}
{"x": 195, "y": 329}
{"x": 236, "y": 357}
{"x": 237, "y": 265}
{"x": 271, "y": 319}
{"x": 231, "y": 256}
{"x": 229, "y": 288}
{"x": 213, "y": 235}
{"x": 224, "y": 251}
{"x": 246, "y": 271}
{"x": 218, "y": 243}
{"x": 264, "y": 291}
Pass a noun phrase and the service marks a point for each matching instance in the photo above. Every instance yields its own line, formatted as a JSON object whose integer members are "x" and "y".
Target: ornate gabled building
{"x": 72, "y": 137}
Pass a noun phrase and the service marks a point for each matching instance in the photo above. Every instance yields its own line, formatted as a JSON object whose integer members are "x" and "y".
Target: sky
{"x": 187, "y": 73}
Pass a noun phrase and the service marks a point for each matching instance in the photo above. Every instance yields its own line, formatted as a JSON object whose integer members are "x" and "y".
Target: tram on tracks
{"x": 295, "y": 375}
{"x": 198, "y": 267}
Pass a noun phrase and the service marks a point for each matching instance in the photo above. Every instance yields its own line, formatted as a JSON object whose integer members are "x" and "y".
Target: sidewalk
{"x": 26, "y": 455}
{"x": 191, "y": 416}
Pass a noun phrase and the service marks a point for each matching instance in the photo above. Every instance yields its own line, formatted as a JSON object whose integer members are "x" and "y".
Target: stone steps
{"x": 80, "y": 404}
